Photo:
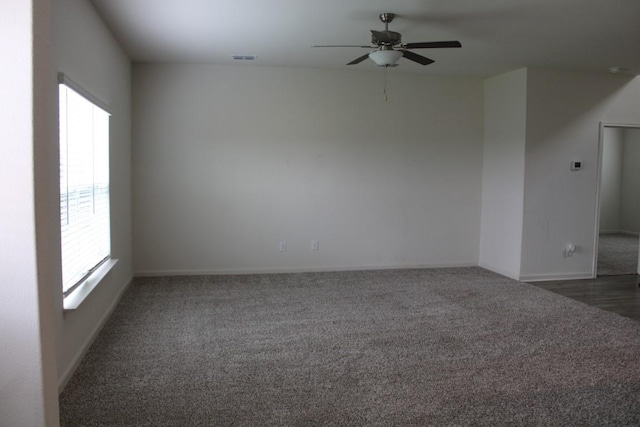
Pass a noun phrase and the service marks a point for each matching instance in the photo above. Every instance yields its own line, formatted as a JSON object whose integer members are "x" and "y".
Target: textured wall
{"x": 230, "y": 160}
{"x": 28, "y": 392}
{"x": 564, "y": 110}
{"x": 503, "y": 172}
{"x": 85, "y": 50}
{"x": 611, "y": 180}
{"x": 630, "y": 185}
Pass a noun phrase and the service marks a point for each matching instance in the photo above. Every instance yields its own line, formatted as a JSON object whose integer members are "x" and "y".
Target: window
{"x": 84, "y": 185}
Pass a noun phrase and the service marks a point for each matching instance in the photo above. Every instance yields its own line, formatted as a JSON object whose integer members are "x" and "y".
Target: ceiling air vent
{"x": 243, "y": 57}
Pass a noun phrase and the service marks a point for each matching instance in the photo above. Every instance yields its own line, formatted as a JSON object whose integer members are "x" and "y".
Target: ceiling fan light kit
{"x": 386, "y": 58}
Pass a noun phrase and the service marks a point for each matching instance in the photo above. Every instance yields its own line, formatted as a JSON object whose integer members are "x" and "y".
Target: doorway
{"x": 618, "y": 219}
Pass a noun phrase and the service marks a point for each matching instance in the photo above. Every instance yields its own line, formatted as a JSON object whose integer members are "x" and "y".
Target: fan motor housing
{"x": 388, "y": 38}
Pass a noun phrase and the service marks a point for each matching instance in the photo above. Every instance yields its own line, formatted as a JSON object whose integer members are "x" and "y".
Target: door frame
{"x": 596, "y": 236}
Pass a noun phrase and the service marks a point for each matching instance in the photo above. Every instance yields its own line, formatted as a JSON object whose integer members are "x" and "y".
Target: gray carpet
{"x": 400, "y": 347}
{"x": 617, "y": 254}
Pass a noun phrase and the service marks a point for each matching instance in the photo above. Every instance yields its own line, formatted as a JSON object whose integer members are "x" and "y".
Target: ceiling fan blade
{"x": 416, "y": 58}
{"x": 345, "y": 45}
{"x": 358, "y": 60}
{"x": 431, "y": 45}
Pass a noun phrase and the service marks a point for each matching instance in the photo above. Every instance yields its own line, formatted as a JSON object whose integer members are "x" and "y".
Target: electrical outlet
{"x": 569, "y": 250}
{"x": 315, "y": 245}
{"x": 283, "y": 246}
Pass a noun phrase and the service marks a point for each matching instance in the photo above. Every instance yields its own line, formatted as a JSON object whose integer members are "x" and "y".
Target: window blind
{"x": 84, "y": 187}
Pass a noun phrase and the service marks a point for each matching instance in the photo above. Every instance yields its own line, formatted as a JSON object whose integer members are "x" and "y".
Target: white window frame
{"x": 73, "y": 297}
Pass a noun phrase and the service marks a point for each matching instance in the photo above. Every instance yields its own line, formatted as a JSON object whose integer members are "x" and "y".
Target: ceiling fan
{"x": 389, "y": 47}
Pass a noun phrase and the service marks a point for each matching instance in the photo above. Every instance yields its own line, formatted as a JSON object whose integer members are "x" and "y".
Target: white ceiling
{"x": 496, "y": 35}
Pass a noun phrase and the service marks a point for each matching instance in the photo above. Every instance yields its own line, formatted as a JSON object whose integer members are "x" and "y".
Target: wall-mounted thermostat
{"x": 576, "y": 166}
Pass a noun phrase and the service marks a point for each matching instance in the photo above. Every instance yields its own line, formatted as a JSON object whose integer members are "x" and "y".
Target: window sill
{"x": 74, "y": 299}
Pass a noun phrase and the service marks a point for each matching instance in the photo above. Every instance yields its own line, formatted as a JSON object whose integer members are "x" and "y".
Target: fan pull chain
{"x": 384, "y": 83}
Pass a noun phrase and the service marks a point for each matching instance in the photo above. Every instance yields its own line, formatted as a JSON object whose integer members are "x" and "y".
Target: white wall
{"x": 630, "y": 185}
{"x": 505, "y": 98}
{"x": 28, "y": 392}
{"x": 564, "y": 110}
{"x": 229, "y": 160}
{"x": 85, "y": 50}
{"x": 611, "y": 180}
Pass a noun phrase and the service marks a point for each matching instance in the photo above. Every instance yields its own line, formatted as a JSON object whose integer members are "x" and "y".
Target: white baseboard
{"x": 219, "y": 272}
{"x": 510, "y": 274}
{"x": 609, "y": 232}
{"x": 555, "y": 276}
{"x": 75, "y": 362}
{"x": 625, "y": 232}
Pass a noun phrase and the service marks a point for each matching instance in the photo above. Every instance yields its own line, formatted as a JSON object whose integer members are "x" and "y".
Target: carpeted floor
{"x": 399, "y": 347}
{"x": 617, "y": 254}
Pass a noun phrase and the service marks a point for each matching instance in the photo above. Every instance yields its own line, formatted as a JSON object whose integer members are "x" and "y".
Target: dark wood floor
{"x": 619, "y": 294}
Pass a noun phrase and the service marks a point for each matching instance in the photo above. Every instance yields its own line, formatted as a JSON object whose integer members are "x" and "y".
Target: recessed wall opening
{"x": 617, "y": 236}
